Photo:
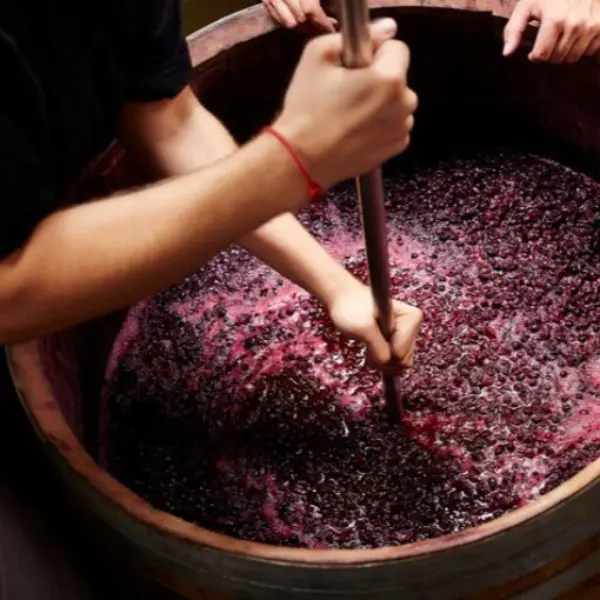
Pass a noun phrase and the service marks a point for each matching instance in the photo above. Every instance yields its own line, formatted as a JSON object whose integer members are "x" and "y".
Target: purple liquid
{"x": 232, "y": 402}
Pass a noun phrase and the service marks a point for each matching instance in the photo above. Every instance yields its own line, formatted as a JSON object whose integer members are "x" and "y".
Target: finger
{"x": 579, "y": 49}
{"x": 402, "y": 145}
{"x": 573, "y": 34}
{"x": 392, "y": 60}
{"x": 411, "y": 101}
{"x": 393, "y": 367}
{"x": 269, "y": 6}
{"x": 282, "y": 14}
{"x": 330, "y": 47}
{"x": 328, "y": 25}
{"x": 295, "y": 7}
{"x": 379, "y": 352}
{"x": 516, "y": 26}
{"x": 315, "y": 12}
{"x": 407, "y": 362}
{"x": 408, "y": 323}
{"x": 378, "y": 349}
{"x": 593, "y": 49}
{"x": 547, "y": 39}
{"x": 563, "y": 47}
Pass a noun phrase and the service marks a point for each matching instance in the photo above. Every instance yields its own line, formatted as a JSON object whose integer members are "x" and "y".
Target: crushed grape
{"x": 233, "y": 403}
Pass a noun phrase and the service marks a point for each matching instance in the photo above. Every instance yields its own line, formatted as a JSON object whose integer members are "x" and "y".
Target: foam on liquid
{"x": 233, "y": 403}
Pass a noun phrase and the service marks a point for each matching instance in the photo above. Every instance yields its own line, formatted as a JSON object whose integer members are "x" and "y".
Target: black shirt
{"x": 68, "y": 67}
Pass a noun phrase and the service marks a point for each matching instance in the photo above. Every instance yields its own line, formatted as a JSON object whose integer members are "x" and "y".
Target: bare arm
{"x": 177, "y": 136}
{"x": 84, "y": 261}
{"x": 90, "y": 259}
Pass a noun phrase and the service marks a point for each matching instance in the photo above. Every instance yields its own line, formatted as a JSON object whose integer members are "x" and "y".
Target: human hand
{"x": 345, "y": 122}
{"x": 569, "y": 29}
{"x": 291, "y": 13}
{"x": 354, "y": 314}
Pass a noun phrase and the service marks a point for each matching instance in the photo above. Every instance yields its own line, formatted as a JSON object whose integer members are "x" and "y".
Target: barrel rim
{"x": 44, "y": 412}
{"x": 46, "y": 415}
{"x": 250, "y": 23}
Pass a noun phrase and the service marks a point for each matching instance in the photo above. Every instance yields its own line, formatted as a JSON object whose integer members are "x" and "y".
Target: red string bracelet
{"x": 314, "y": 189}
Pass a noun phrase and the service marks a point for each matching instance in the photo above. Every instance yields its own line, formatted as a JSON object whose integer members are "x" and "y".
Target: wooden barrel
{"x": 549, "y": 549}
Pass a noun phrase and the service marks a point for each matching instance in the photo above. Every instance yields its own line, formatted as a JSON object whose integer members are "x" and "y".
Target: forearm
{"x": 286, "y": 246}
{"x": 98, "y": 257}
{"x": 282, "y": 243}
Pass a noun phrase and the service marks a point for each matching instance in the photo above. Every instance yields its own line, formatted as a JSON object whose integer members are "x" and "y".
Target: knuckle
{"x": 592, "y": 49}
{"x": 575, "y": 26}
{"x": 554, "y": 21}
{"x": 411, "y": 101}
{"x": 541, "y": 54}
{"x": 394, "y": 70}
{"x": 403, "y": 144}
{"x": 414, "y": 312}
{"x": 392, "y": 77}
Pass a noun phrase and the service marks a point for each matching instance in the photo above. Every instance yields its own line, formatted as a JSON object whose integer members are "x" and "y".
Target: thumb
{"x": 330, "y": 47}
{"x": 378, "y": 349}
{"x": 513, "y": 32}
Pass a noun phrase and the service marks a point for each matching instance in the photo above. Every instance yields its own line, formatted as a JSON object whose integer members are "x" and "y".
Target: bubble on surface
{"x": 233, "y": 403}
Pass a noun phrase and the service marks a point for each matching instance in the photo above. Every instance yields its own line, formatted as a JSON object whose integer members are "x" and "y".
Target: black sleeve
{"x": 151, "y": 49}
{"x": 25, "y": 197}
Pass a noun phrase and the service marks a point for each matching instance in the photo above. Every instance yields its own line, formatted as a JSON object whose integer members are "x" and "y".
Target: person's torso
{"x": 61, "y": 86}
{"x": 61, "y": 80}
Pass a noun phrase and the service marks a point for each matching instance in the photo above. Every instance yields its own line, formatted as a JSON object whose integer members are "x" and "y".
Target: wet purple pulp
{"x": 232, "y": 402}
